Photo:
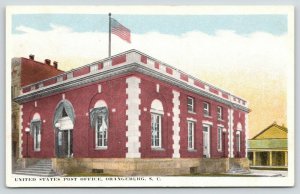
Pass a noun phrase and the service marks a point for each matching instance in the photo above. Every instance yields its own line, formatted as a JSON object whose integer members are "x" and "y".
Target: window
{"x": 220, "y": 113}
{"x": 99, "y": 120}
{"x": 36, "y": 127}
{"x": 155, "y": 130}
{"x": 191, "y": 127}
{"x": 190, "y": 103}
{"x": 206, "y": 141}
{"x": 219, "y": 145}
{"x": 101, "y": 132}
{"x": 206, "y": 110}
{"x": 238, "y": 141}
{"x": 94, "y": 68}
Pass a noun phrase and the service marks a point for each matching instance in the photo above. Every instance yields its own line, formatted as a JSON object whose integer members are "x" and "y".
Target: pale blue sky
{"x": 166, "y": 24}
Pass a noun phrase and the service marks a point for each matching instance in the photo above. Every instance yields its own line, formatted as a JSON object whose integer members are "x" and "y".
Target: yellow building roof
{"x": 273, "y": 131}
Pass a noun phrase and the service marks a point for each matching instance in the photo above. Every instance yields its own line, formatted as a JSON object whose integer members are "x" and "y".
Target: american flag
{"x": 120, "y": 30}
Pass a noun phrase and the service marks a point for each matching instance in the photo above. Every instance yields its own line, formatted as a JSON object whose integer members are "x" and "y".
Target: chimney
{"x": 55, "y": 64}
{"x": 31, "y": 57}
{"x": 47, "y": 61}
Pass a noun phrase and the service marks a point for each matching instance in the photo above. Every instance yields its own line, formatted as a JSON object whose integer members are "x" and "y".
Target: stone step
{"x": 35, "y": 170}
{"x": 40, "y": 168}
{"x": 36, "y": 174}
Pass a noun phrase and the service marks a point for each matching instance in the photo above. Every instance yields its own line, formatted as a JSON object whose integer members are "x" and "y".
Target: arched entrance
{"x": 64, "y": 123}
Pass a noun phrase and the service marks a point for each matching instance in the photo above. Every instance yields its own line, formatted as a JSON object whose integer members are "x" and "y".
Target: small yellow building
{"x": 268, "y": 149}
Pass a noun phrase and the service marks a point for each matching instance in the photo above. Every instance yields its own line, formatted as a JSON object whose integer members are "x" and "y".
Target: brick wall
{"x": 113, "y": 92}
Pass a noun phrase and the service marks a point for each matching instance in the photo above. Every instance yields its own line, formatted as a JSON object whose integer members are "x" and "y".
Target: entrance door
{"x": 64, "y": 143}
{"x": 206, "y": 141}
{"x": 64, "y": 137}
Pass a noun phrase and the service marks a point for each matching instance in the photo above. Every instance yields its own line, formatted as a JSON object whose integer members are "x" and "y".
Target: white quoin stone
{"x": 176, "y": 128}
{"x": 246, "y": 135}
{"x": 230, "y": 133}
{"x": 157, "y": 88}
{"x": 133, "y": 122}
{"x": 20, "y": 131}
{"x": 99, "y": 88}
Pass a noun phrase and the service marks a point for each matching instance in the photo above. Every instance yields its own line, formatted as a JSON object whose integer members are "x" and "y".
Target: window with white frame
{"x": 101, "y": 132}
{"x": 219, "y": 145}
{"x": 36, "y": 130}
{"x": 191, "y": 137}
{"x": 155, "y": 130}
{"x": 238, "y": 141}
{"x": 99, "y": 120}
{"x": 206, "y": 109}
{"x": 93, "y": 67}
{"x": 191, "y": 104}
{"x": 220, "y": 113}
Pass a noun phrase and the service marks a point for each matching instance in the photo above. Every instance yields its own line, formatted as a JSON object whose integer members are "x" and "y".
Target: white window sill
{"x": 37, "y": 150}
{"x": 191, "y": 112}
{"x": 101, "y": 148}
{"x": 207, "y": 116}
{"x": 220, "y": 150}
{"x": 157, "y": 149}
{"x": 222, "y": 120}
{"x": 192, "y": 150}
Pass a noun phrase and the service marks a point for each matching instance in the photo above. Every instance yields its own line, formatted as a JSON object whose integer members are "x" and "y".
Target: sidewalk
{"x": 268, "y": 173}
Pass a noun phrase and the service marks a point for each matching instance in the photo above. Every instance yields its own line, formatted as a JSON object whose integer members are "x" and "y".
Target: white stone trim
{"x": 246, "y": 135}
{"x": 163, "y": 69}
{"x": 205, "y": 122}
{"x": 176, "y": 74}
{"x": 230, "y": 133}
{"x": 150, "y": 62}
{"x": 63, "y": 96}
{"x": 160, "y": 112}
{"x": 93, "y": 68}
{"x": 106, "y": 64}
{"x": 35, "y": 103}
{"x": 190, "y": 81}
{"x": 157, "y": 88}
{"x": 206, "y": 88}
{"x": 100, "y": 103}
{"x": 220, "y": 125}
{"x": 99, "y": 88}
{"x": 133, "y": 122}
{"x": 133, "y": 59}
{"x": 176, "y": 128}
{"x": 20, "y": 131}
{"x": 191, "y": 119}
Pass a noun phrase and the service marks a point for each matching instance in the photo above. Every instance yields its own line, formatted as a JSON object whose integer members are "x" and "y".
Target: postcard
{"x": 150, "y": 96}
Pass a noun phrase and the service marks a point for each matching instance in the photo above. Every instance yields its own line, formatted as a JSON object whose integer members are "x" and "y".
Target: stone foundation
{"x": 145, "y": 167}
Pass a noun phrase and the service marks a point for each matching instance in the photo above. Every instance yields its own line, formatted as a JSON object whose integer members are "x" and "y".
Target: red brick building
{"x": 26, "y": 71}
{"x": 132, "y": 114}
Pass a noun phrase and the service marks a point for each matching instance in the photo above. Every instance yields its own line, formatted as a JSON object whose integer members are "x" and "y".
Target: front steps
{"x": 40, "y": 168}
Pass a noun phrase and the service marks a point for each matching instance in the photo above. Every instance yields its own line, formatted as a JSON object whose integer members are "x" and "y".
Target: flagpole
{"x": 109, "y": 36}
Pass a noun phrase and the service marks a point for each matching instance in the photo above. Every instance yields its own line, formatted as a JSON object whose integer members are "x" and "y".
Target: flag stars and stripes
{"x": 120, "y": 30}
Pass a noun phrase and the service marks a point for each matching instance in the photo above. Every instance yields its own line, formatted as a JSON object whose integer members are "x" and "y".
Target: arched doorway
{"x": 63, "y": 123}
